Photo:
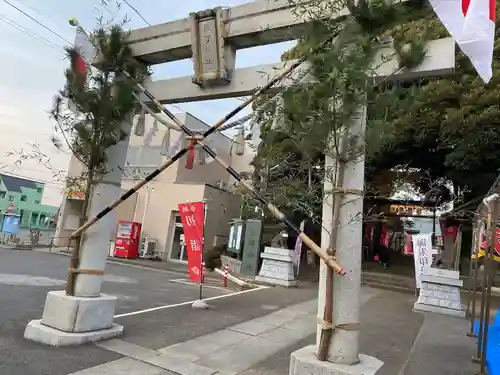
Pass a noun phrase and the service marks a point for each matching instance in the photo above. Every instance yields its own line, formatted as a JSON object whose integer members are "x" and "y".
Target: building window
{"x": 23, "y": 198}
{"x": 25, "y": 217}
{"x": 37, "y": 202}
{"x": 2, "y": 194}
{"x": 39, "y": 190}
{"x": 11, "y": 198}
{"x": 178, "y": 219}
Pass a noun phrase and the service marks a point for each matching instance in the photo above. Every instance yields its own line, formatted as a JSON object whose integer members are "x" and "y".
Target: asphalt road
{"x": 25, "y": 279}
{"x": 27, "y": 276}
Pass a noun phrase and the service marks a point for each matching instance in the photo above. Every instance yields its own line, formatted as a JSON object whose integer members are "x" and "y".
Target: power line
{"x": 32, "y": 34}
{"x": 38, "y": 22}
{"x": 136, "y": 11}
{"x": 42, "y": 14}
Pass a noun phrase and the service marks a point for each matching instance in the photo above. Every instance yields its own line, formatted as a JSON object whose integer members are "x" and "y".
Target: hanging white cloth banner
{"x": 201, "y": 156}
{"x": 140, "y": 125}
{"x": 165, "y": 142}
{"x": 150, "y": 134}
{"x": 278, "y": 120}
{"x": 204, "y": 157}
{"x": 171, "y": 151}
{"x": 422, "y": 253}
{"x": 298, "y": 250}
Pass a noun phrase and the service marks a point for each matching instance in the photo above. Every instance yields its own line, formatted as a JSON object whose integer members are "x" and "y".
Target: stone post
{"x": 96, "y": 239}
{"x": 343, "y": 355}
{"x": 87, "y": 316}
{"x": 344, "y": 347}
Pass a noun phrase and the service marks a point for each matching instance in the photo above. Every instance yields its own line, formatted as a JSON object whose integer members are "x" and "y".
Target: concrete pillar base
{"x": 304, "y": 362}
{"x": 200, "y": 305}
{"x": 38, "y": 332}
{"x": 69, "y": 320}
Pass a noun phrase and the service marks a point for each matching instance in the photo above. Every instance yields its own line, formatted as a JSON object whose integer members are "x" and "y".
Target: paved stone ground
{"x": 159, "y": 329}
{"x": 408, "y": 343}
{"x": 442, "y": 348}
{"x": 229, "y": 351}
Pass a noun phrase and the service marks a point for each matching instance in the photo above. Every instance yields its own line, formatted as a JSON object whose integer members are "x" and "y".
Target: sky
{"x": 33, "y": 64}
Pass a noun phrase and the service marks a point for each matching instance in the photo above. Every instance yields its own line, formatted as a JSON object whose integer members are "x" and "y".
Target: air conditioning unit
{"x": 221, "y": 185}
{"x": 148, "y": 248}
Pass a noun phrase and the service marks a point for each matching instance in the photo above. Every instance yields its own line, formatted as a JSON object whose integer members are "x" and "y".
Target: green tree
{"x": 90, "y": 111}
{"x": 447, "y": 128}
{"x": 340, "y": 72}
{"x": 432, "y": 131}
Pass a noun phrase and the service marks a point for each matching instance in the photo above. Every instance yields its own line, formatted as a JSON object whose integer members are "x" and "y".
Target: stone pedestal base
{"x": 440, "y": 293}
{"x": 438, "y": 310}
{"x": 277, "y": 267}
{"x": 200, "y": 305}
{"x": 38, "y": 332}
{"x": 69, "y": 320}
{"x": 304, "y": 362}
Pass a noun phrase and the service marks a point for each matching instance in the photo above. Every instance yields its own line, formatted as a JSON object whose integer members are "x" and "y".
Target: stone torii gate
{"x": 211, "y": 38}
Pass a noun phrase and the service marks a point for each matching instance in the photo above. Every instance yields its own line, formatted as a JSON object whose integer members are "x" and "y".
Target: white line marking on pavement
{"x": 186, "y": 282}
{"x": 188, "y": 302}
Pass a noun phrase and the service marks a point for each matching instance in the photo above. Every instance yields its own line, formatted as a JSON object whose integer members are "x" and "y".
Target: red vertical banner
{"x": 193, "y": 216}
{"x": 190, "y": 155}
{"x": 368, "y": 232}
{"x": 450, "y": 231}
{"x": 497, "y": 241}
{"x": 408, "y": 244}
{"x": 384, "y": 235}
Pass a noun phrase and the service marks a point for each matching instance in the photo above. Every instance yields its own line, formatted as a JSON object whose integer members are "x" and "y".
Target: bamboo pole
{"x": 186, "y": 130}
{"x": 471, "y": 292}
{"x": 328, "y": 259}
{"x": 472, "y": 298}
{"x": 489, "y": 273}
{"x": 480, "y": 336}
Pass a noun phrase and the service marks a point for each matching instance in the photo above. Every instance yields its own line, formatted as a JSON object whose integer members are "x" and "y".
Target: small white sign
{"x": 422, "y": 253}
{"x": 298, "y": 250}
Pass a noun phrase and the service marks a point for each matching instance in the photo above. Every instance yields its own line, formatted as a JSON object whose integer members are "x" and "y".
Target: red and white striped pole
{"x": 226, "y": 272}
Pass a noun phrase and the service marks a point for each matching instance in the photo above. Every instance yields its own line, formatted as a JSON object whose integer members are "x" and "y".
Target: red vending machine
{"x": 128, "y": 235}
